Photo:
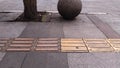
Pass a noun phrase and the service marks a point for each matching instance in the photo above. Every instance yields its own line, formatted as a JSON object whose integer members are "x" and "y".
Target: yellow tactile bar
{"x": 73, "y": 45}
{"x": 59, "y": 45}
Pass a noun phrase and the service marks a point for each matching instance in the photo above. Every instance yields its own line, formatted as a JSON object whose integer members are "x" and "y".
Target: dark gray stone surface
{"x": 37, "y": 29}
{"x": 113, "y": 21}
{"x": 82, "y": 27}
{"x": 35, "y": 60}
{"x": 94, "y": 60}
{"x": 45, "y": 60}
{"x": 13, "y": 60}
{"x": 104, "y": 27}
{"x": 6, "y": 17}
{"x": 11, "y": 29}
{"x": 1, "y": 55}
{"x": 57, "y": 60}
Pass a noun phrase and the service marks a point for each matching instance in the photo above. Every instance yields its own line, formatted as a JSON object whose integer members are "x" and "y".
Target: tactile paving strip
{"x": 20, "y": 44}
{"x": 30, "y": 44}
{"x": 73, "y": 45}
{"x": 3, "y": 43}
{"x": 59, "y": 45}
{"x": 98, "y": 45}
{"x": 47, "y": 44}
{"x": 115, "y": 43}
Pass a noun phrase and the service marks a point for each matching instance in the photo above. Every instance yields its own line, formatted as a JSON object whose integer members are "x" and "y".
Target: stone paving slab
{"x": 82, "y": 27}
{"x": 19, "y": 57}
{"x": 82, "y": 60}
{"x": 11, "y": 29}
{"x": 43, "y": 30}
{"x": 1, "y": 55}
{"x": 113, "y": 21}
{"x": 7, "y": 17}
{"x": 104, "y": 27}
{"x": 93, "y": 60}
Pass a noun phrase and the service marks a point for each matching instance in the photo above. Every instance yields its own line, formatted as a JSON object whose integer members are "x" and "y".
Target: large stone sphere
{"x": 69, "y": 9}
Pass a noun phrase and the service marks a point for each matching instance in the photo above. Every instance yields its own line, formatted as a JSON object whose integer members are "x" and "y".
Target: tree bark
{"x": 30, "y": 9}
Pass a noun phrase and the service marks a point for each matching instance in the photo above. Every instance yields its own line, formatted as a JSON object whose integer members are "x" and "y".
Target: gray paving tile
{"x": 104, "y": 27}
{"x": 82, "y": 27}
{"x": 93, "y": 60}
{"x": 1, "y": 55}
{"x": 12, "y": 60}
{"x": 11, "y": 29}
{"x": 43, "y": 5}
{"x": 45, "y": 60}
{"x": 43, "y": 30}
{"x": 35, "y": 60}
{"x": 1, "y": 0}
{"x": 7, "y": 5}
{"x": 47, "y": 5}
{"x": 111, "y": 6}
{"x": 57, "y": 60}
{"x": 111, "y": 19}
{"x": 5, "y": 17}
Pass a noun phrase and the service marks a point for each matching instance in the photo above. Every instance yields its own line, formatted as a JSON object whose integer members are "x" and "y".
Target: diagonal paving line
{"x": 104, "y": 27}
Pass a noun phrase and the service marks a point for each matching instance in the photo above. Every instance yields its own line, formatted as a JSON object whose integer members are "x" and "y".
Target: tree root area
{"x": 41, "y": 17}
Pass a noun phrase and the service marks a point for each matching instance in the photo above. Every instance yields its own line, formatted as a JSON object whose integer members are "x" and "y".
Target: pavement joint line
{"x": 34, "y": 44}
{"x": 7, "y": 45}
{"x": 59, "y": 44}
{"x": 116, "y": 48}
{"x": 19, "y": 11}
{"x": 110, "y": 44}
{"x": 68, "y": 45}
{"x": 85, "y": 44}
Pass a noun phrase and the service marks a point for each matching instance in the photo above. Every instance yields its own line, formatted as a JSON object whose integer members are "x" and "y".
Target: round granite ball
{"x": 69, "y": 9}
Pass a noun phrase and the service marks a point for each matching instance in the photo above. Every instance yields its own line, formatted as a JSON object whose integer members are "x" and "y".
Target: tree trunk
{"x": 30, "y": 9}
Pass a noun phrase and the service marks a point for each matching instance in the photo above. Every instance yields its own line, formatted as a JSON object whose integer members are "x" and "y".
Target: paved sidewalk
{"x": 107, "y": 11}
